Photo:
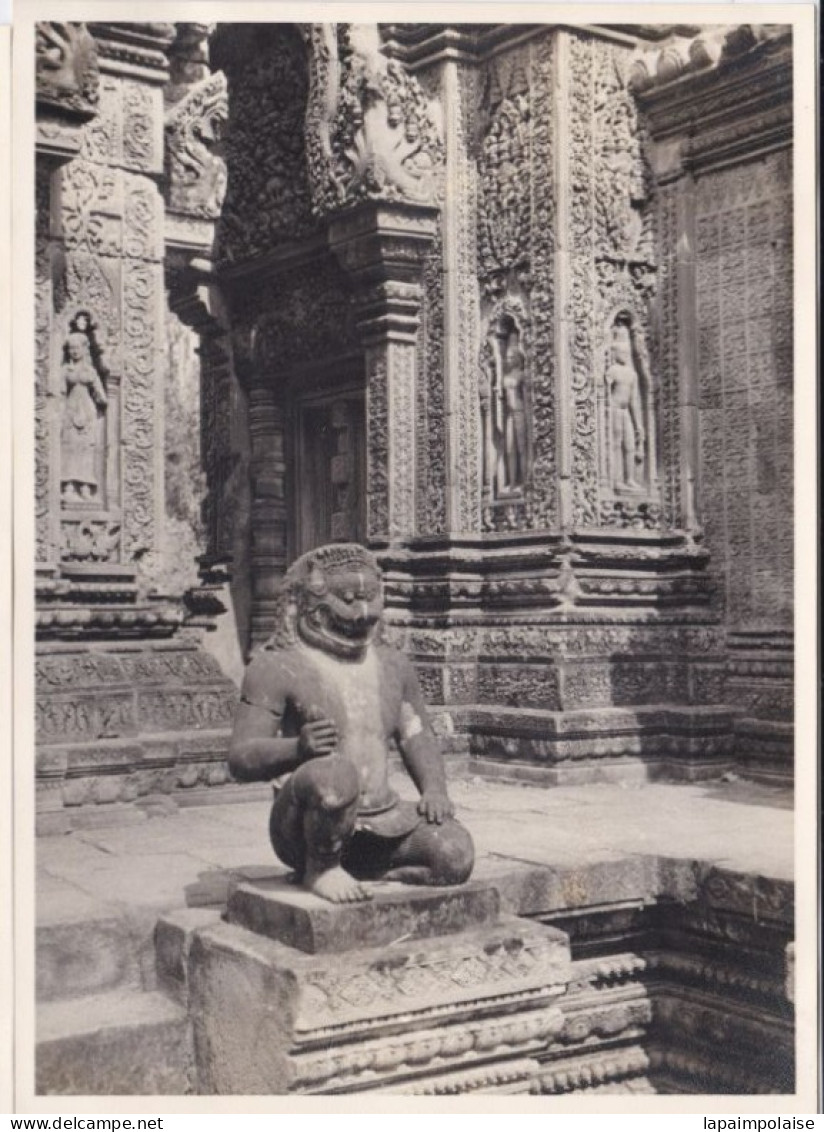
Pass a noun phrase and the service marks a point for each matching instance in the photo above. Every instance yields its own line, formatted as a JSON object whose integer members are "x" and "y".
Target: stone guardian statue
{"x": 320, "y": 705}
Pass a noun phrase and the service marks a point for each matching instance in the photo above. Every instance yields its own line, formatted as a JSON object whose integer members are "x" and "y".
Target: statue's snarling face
{"x": 340, "y": 606}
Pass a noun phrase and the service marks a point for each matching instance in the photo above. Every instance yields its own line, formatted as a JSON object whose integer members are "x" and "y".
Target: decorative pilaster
{"x": 383, "y": 246}
{"x": 268, "y": 522}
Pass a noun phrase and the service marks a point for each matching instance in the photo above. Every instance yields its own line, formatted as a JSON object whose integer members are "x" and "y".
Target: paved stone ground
{"x": 164, "y": 860}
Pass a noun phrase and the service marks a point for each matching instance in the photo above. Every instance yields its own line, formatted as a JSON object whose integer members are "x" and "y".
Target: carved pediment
{"x": 196, "y": 174}
{"x": 67, "y": 76}
{"x": 372, "y": 134}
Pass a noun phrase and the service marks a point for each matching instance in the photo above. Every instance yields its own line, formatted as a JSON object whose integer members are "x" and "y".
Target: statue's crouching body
{"x": 320, "y": 705}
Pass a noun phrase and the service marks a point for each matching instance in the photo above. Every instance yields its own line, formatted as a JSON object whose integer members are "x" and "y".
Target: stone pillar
{"x": 383, "y": 246}
{"x": 127, "y": 703}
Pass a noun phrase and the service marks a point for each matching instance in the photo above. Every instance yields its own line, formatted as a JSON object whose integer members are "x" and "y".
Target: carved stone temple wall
{"x": 510, "y": 304}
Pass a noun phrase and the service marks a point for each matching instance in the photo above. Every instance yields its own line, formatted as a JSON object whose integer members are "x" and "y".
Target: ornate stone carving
{"x": 431, "y": 435}
{"x": 66, "y": 68}
{"x": 90, "y": 198}
{"x": 744, "y": 314}
{"x": 267, "y": 195}
{"x": 82, "y": 436}
{"x": 196, "y": 174}
{"x": 371, "y": 131}
{"x": 467, "y": 465}
{"x": 43, "y": 458}
{"x": 504, "y": 160}
{"x": 516, "y": 269}
{"x": 614, "y": 426}
{"x": 296, "y": 318}
{"x": 89, "y": 540}
{"x": 141, "y": 110}
{"x": 377, "y": 447}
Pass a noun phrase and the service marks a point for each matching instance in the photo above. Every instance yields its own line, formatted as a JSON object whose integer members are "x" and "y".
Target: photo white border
{"x": 21, "y": 172}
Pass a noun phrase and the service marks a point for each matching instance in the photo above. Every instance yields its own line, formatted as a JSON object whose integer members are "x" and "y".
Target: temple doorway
{"x": 330, "y": 469}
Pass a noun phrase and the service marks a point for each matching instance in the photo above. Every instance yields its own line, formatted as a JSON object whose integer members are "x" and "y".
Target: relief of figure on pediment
{"x": 372, "y": 132}
{"x": 504, "y": 397}
{"x": 82, "y": 438}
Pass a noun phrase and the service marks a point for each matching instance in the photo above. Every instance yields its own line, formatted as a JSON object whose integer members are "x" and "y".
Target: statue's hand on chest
{"x": 317, "y": 737}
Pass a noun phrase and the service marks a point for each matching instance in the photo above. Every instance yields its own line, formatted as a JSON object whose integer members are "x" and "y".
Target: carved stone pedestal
{"x": 417, "y": 991}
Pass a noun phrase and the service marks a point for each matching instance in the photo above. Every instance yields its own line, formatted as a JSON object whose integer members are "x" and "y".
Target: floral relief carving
{"x": 432, "y": 428}
{"x": 140, "y": 284}
{"x": 377, "y": 446}
{"x": 139, "y": 112}
{"x": 504, "y": 220}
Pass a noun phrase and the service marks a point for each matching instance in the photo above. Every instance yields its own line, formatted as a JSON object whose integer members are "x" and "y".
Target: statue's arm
{"x": 420, "y": 749}
{"x": 257, "y": 751}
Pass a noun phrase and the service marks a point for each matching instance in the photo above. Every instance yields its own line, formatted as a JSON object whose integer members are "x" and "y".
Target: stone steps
{"x": 121, "y": 1042}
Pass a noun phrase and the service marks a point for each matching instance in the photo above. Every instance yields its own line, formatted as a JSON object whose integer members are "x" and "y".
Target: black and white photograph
{"x": 406, "y": 557}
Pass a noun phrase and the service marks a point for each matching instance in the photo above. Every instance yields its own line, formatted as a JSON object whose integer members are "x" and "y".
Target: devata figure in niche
{"x": 320, "y": 704}
{"x": 85, "y": 401}
{"x": 627, "y": 433}
{"x": 503, "y": 396}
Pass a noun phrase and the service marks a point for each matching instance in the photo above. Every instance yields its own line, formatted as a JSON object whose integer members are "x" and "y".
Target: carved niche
{"x": 625, "y": 412}
{"x": 196, "y": 174}
{"x": 67, "y": 75}
{"x": 371, "y": 131}
{"x": 83, "y": 416}
{"x": 90, "y": 528}
{"x": 505, "y": 404}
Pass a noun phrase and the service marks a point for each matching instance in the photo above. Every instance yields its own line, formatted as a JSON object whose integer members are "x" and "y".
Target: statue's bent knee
{"x": 328, "y": 783}
{"x": 452, "y": 853}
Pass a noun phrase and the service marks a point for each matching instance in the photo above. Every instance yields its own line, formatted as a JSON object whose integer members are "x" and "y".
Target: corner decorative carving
{"x": 371, "y": 132}
{"x": 613, "y": 278}
{"x": 67, "y": 75}
{"x": 196, "y": 175}
{"x": 516, "y": 266}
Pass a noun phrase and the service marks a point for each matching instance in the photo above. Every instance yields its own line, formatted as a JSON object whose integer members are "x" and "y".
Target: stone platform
{"x": 422, "y": 982}
{"x": 670, "y": 905}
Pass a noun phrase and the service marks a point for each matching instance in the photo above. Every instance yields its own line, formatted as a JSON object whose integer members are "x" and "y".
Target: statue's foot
{"x": 336, "y": 885}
